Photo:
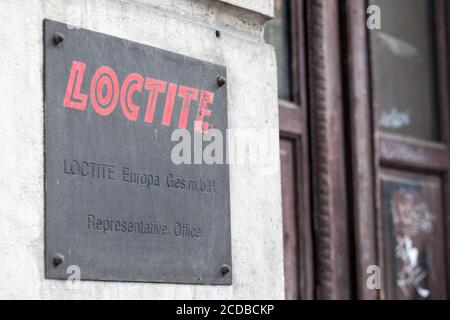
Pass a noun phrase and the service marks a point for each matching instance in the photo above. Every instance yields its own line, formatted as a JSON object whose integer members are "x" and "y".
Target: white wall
{"x": 183, "y": 26}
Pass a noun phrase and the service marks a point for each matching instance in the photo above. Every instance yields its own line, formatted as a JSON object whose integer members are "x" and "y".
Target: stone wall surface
{"x": 182, "y": 26}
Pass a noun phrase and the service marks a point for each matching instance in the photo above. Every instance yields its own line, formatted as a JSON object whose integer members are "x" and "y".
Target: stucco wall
{"x": 183, "y": 26}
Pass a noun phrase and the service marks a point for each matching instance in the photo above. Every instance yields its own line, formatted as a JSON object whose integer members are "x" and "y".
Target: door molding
{"x": 330, "y": 220}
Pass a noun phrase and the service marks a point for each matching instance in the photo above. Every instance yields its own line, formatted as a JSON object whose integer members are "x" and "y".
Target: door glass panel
{"x": 412, "y": 208}
{"x": 404, "y": 68}
{"x": 276, "y": 33}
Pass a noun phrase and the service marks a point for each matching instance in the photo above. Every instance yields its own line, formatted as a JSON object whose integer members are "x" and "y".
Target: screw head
{"x": 218, "y": 34}
{"x": 221, "y": 81}
{"x": 225, "y": 269}
{"x": 58, "y": 259}
{"x": 58, "y": 38}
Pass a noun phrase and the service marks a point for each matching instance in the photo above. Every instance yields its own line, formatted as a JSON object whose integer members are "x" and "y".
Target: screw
{"x": 58, "y": 38}
{"x": 218, "y": 34}
{"x": 58, "y": 259}
{"x": 220, "y": 81}
{"x": 225, "y": 269}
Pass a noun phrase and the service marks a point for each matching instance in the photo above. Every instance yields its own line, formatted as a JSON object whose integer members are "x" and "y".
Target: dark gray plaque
{"x": 116, "y": 205}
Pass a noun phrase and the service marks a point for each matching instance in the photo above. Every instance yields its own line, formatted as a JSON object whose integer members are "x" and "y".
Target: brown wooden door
{"x": 286, "y": 33}
{"x": 411, "y": 116}
{"x": 399, "y": 129}
{"x": 365, "y": 154}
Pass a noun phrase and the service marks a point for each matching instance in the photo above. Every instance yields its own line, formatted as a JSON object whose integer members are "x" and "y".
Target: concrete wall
{"x": 183, "y": 26}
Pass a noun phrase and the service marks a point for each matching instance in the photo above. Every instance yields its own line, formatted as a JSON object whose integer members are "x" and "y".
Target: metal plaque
{"x": 116, "y": 206}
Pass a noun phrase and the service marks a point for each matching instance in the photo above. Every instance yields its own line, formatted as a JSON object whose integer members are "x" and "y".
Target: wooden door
{"x": 364, "y": 147}
{"x": 398, "y": 104}
{"x": 286, "y": 34}
{"x": 411, "y": 114}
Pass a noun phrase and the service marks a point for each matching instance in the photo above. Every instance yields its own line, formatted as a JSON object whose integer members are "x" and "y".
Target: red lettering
{"x": 105, "y": 93}
{"x": 132, "y": 83}
{"x": 74, "y": 87}
{"x": 104, "y": 104}
{"x": 170, "y": 100}
{"x": 206, "y": 98}
{"x": 154, "y": 88}
{"x": 188, "y": 94}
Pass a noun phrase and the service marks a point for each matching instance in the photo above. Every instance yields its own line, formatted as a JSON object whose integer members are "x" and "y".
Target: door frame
{"x": 425, "y": 157}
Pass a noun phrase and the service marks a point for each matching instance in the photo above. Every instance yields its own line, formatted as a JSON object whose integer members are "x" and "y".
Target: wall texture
{"x": 182, "y": 26}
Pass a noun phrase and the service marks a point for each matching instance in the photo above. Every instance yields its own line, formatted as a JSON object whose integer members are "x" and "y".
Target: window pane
{"x": 404, "y": 68}
{"x": 412, "y": 208}
{"x": 276, "y": 33}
